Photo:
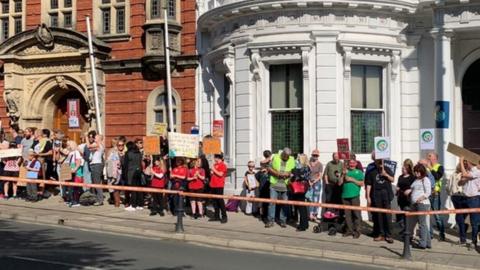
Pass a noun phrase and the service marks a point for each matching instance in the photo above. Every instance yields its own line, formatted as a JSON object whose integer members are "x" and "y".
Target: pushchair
{"x": 330, "y": 222}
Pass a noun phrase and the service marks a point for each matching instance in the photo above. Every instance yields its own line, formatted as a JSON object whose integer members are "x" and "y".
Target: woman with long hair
{"x": 132, "y": 173}
{"x": 404, "y": 182}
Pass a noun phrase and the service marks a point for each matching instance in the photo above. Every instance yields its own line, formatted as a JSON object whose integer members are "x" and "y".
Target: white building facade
{"x": 301, "y": 74}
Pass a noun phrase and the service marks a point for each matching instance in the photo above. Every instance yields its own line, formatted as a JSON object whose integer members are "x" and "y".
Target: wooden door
{"x": 61, "y": 116}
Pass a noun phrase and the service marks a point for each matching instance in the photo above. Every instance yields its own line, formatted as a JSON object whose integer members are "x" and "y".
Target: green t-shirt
{"x": 351, "y": 190}
{"x": 333, "y": 171}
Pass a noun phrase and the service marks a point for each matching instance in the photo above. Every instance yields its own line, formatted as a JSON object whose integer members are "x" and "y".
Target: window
{"x": 367, "y": 109}
{"x": 59, "y": 13}
{"x": 111, "y": 17}
{"x": 120, "y": 20}
{"x": 106, "y": 21}
{"x": 171, "y": 8}
{"x": 158, "y": 113}
{"x": 156, "y": 12}
{"x": 286, "y": 107}
{"x": 12, "y": 18}
{"x": 157, "y": 8}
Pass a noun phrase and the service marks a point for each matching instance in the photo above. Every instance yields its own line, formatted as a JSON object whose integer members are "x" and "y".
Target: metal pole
{"x": 167, "y": 69}
{"x": 94, "y": 77}
{"x": 179, "y": 209}
{"x": 407, "y": 255}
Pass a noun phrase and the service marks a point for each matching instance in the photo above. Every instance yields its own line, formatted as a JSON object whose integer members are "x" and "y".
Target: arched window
{"x": 157, "y": 109}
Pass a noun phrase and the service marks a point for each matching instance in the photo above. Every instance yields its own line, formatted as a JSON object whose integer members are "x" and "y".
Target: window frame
{"x": 152, "y": 108}
{"x": 60, "y": 11}
{"x": 114, "y": 30}
{"x": 11, "y": 16}
{"x": 162, "y": 5}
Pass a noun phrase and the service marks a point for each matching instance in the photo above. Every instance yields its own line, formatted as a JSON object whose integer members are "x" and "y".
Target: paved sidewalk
{"x": 242, "y": 232}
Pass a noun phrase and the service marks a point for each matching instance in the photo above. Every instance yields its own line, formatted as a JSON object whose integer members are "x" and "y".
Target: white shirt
{"x": 97, "y": 156}
{"x": 421, "y": 187}
{"x": 472, "y": 187}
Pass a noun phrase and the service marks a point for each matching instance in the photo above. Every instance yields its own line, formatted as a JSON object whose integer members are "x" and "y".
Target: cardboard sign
{"x": 211, "y": 146}
{"x": 182, "y": 145}
{"x": 22, "y": 174}
{"x": 382, "y": 147}
{"x": 427, "y": 139}
{"x": 65, "y": 173}
{"x": 73, "y": 109}
{"x": 217, "y": 130}
{"x": 151, "y": 145}
{"x": 160, "y": 129}
{"x": 343, "y": 148}
{"x": 391, "y": 165}
{"x": 14, "y": 152}
{"x": 460, "y": 151}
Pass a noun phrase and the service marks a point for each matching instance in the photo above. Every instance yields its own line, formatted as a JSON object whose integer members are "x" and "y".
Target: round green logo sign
{"x": 427, "y": 136}
{"x": 382, "y": 145}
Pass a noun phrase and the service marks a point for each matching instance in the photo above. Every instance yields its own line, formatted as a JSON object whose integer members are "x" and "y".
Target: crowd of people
{"x": 281, "y": 176}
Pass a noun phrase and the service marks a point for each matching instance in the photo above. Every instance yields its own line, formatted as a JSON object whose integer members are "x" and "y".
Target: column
{"x": 443, "y": 89}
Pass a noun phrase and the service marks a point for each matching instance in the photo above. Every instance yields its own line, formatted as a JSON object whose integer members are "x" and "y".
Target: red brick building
{"x": 45, "y": 63}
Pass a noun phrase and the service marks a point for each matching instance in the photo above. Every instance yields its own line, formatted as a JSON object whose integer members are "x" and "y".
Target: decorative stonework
{"x": 13, "y": 100}
{"x": 47, "y": 67}
{"x": 228, "y": 62}
{"x": 45, "y": 36}
{"x": 255, "y": 58}
{"x": 38, "y": 50}
{"x": 305, "y": 58}
{"x": 347, "y": 62}
{"x": 62, "y": 84}
{"x": 395, "y": 64}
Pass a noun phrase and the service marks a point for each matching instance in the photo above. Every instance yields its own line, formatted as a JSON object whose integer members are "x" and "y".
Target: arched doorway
{"x": 471, "y": 108}
{"x": 61, "y": 115}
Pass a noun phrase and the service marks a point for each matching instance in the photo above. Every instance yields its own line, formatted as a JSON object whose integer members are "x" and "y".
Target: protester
{"x": 44, "y": 149}
{"x": 437, "y": 170}
{"x": 33, "y": 167}
{"x": 264, "y": 179}
{"x": 331, "y": 177}
{"x": 251, "y": 186}
{"x": 471, "y": 187}
{"x": 380, "y": 194}
{"x": 196, "y": 184}
{"x": 75, "y": 161}
{"x": 114, "y": 169}
{"x": 404, "y": 182}
{"x": 351, "y": 182}
{"x": 299, "y": 186}
{"x": 359, "y": 164}
{"x": 4, "y": 144}
{"x": 280, "y": 173}
{"x": 86, "y": 154}
{"x": 158, "y": 181}
{"x": 454, "y": 189}
{"x": 315, "y": 182}
{"x": 132, "y": 172}
{"x": 11, "y": 169}
{"x": 419, "y": 193}
{"x": 96, "y": 148}
{"x": 17, "y": 134}
{"x": 27, "y": 142}
{"x": 217, "y": 184}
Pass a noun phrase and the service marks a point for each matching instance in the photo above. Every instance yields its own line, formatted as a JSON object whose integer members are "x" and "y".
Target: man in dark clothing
{"x": 380, "y": 194}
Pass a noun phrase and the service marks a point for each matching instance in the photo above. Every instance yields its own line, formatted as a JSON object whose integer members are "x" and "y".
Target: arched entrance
{"x": 61, "y": 115}
{"x": 471, "y": 107}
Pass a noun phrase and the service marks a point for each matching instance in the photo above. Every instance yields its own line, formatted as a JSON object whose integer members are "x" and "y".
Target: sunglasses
{"x": 314, "y": 155}
{"x": 120, "y": 144}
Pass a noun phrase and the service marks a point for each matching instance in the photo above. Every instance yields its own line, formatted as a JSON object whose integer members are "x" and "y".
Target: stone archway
{"x": 471, "y": 107}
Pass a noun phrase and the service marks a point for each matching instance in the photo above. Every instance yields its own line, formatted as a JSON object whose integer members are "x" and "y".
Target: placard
{"x": 22, "y": 175}
{"x": 382, "y": 147}
{"x": 13, "y": 152}
{"x": 182, "y": 145}
{"x": 160, "y": 129}
{"x": 151, "y": 145}
{"x": 427, "y": 139}
{"x": 467, "y": 154}
{"x": 73, "y": 109}
{"x": 391, "y": 165}
{"x": 211, "y": 146}
{"x": 343, "y": 149}
{"x": 65, "y": 173}
{"x": 217, "y": 130}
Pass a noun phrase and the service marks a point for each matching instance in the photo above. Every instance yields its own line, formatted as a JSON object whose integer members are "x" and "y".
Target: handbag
{"x": 299, "y": 187}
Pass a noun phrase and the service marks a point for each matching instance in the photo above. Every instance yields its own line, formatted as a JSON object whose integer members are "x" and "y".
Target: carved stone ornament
{"x": 12, "y": 98}
{"x": 45, "y": 36}
{"x": 256, "y": 65}
{"x": 347, "y": 61}
{"x": 61, "y": 82}
{"x": 228, "y": 62}
{"x": 395, "y": 64}
{"x": 305, "y": 58}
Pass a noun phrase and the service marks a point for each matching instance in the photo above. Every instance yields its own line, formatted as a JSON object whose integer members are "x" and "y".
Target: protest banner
{"x": 382, "y": 147}
{"x": 151, "y": 145}
{"x": 427, "y": 139}
{"x": 391, "y": 165}
{"x": 462, "y": 152}
{"x": 343, "y": 148}
{"x": 160, "y": 129}
{"x": 182, "y": 145}
{"x": 73, "y": 113}
{"x": 14, "y": 152}
{"x": 217, "y": 130}
{"x": 211, "y": 146}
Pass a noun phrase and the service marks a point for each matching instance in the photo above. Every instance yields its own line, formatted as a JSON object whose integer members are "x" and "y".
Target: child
{"x": 251, "y": 184}
{"x": 158, "y": 181}
{"x": 11, "y": 169}
{"x": 264, "y": 178}
{"x": 196, "y": 184}
{"x": 33, "y": 168}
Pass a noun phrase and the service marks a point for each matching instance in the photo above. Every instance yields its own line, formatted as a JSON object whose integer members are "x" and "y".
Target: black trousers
{"x": 302, "y": 211}
{"x": 157, "y": 203}
{"x": 136, "y": 198}
{"x": 218, "y": 204}
{"x": 381, "y": 221}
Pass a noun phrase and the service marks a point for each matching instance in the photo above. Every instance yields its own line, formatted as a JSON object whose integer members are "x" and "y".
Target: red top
{"x": 158, "y": 182}
{"x": 218, "y": 181}
{"x": 180, "y": 171}
{"x": 196, "y": 183}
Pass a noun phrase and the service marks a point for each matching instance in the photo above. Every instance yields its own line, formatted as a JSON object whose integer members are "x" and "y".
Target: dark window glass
{"x": 121, "y": 20}
{"x": 106, "y": 21}
{"x": 156, "y": 9}
{"x": 53, "y": 4}
{"x": 67, "y": 3}
{"x": 18, "y": 6}
{"x": 54, "y": 20}
{"x": 172, "y": 8}
{"x": 5, "y": 26}
{"x": 5, "y": 7}
{"x": 18, "y": 25}
{"x": 67, "y": 19}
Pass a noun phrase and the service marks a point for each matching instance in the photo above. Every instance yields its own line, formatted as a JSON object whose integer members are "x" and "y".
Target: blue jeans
{"x": 277, "y": 195}
{"x": 460, "y": 202}
{"x": 316, "y": 188}
{"x": 474, "y": 202}
{"x": 436, "y": 204}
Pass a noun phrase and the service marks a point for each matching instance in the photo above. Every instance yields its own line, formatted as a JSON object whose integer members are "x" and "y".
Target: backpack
{"x": 232, "y": 205}
{"x": 87, "y": 199}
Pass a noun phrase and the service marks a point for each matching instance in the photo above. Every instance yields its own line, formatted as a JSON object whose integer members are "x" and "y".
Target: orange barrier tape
{"x": 239, "y": 198}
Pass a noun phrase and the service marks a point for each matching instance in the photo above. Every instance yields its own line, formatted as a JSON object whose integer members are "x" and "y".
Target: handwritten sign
{"x": 211, "y": 146}
{"x": 151, "y": 145}
{"x": 14, "y": 152}
{"x": 343, "y": 149}
{"x": 182, "y": 145}
{"x": 217, "y": 130}
{"x": 160, "y": 129}
{"x": 65, "y": 173}
{"x": 427, "y": 139}
{"x": 382, "y": 147}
